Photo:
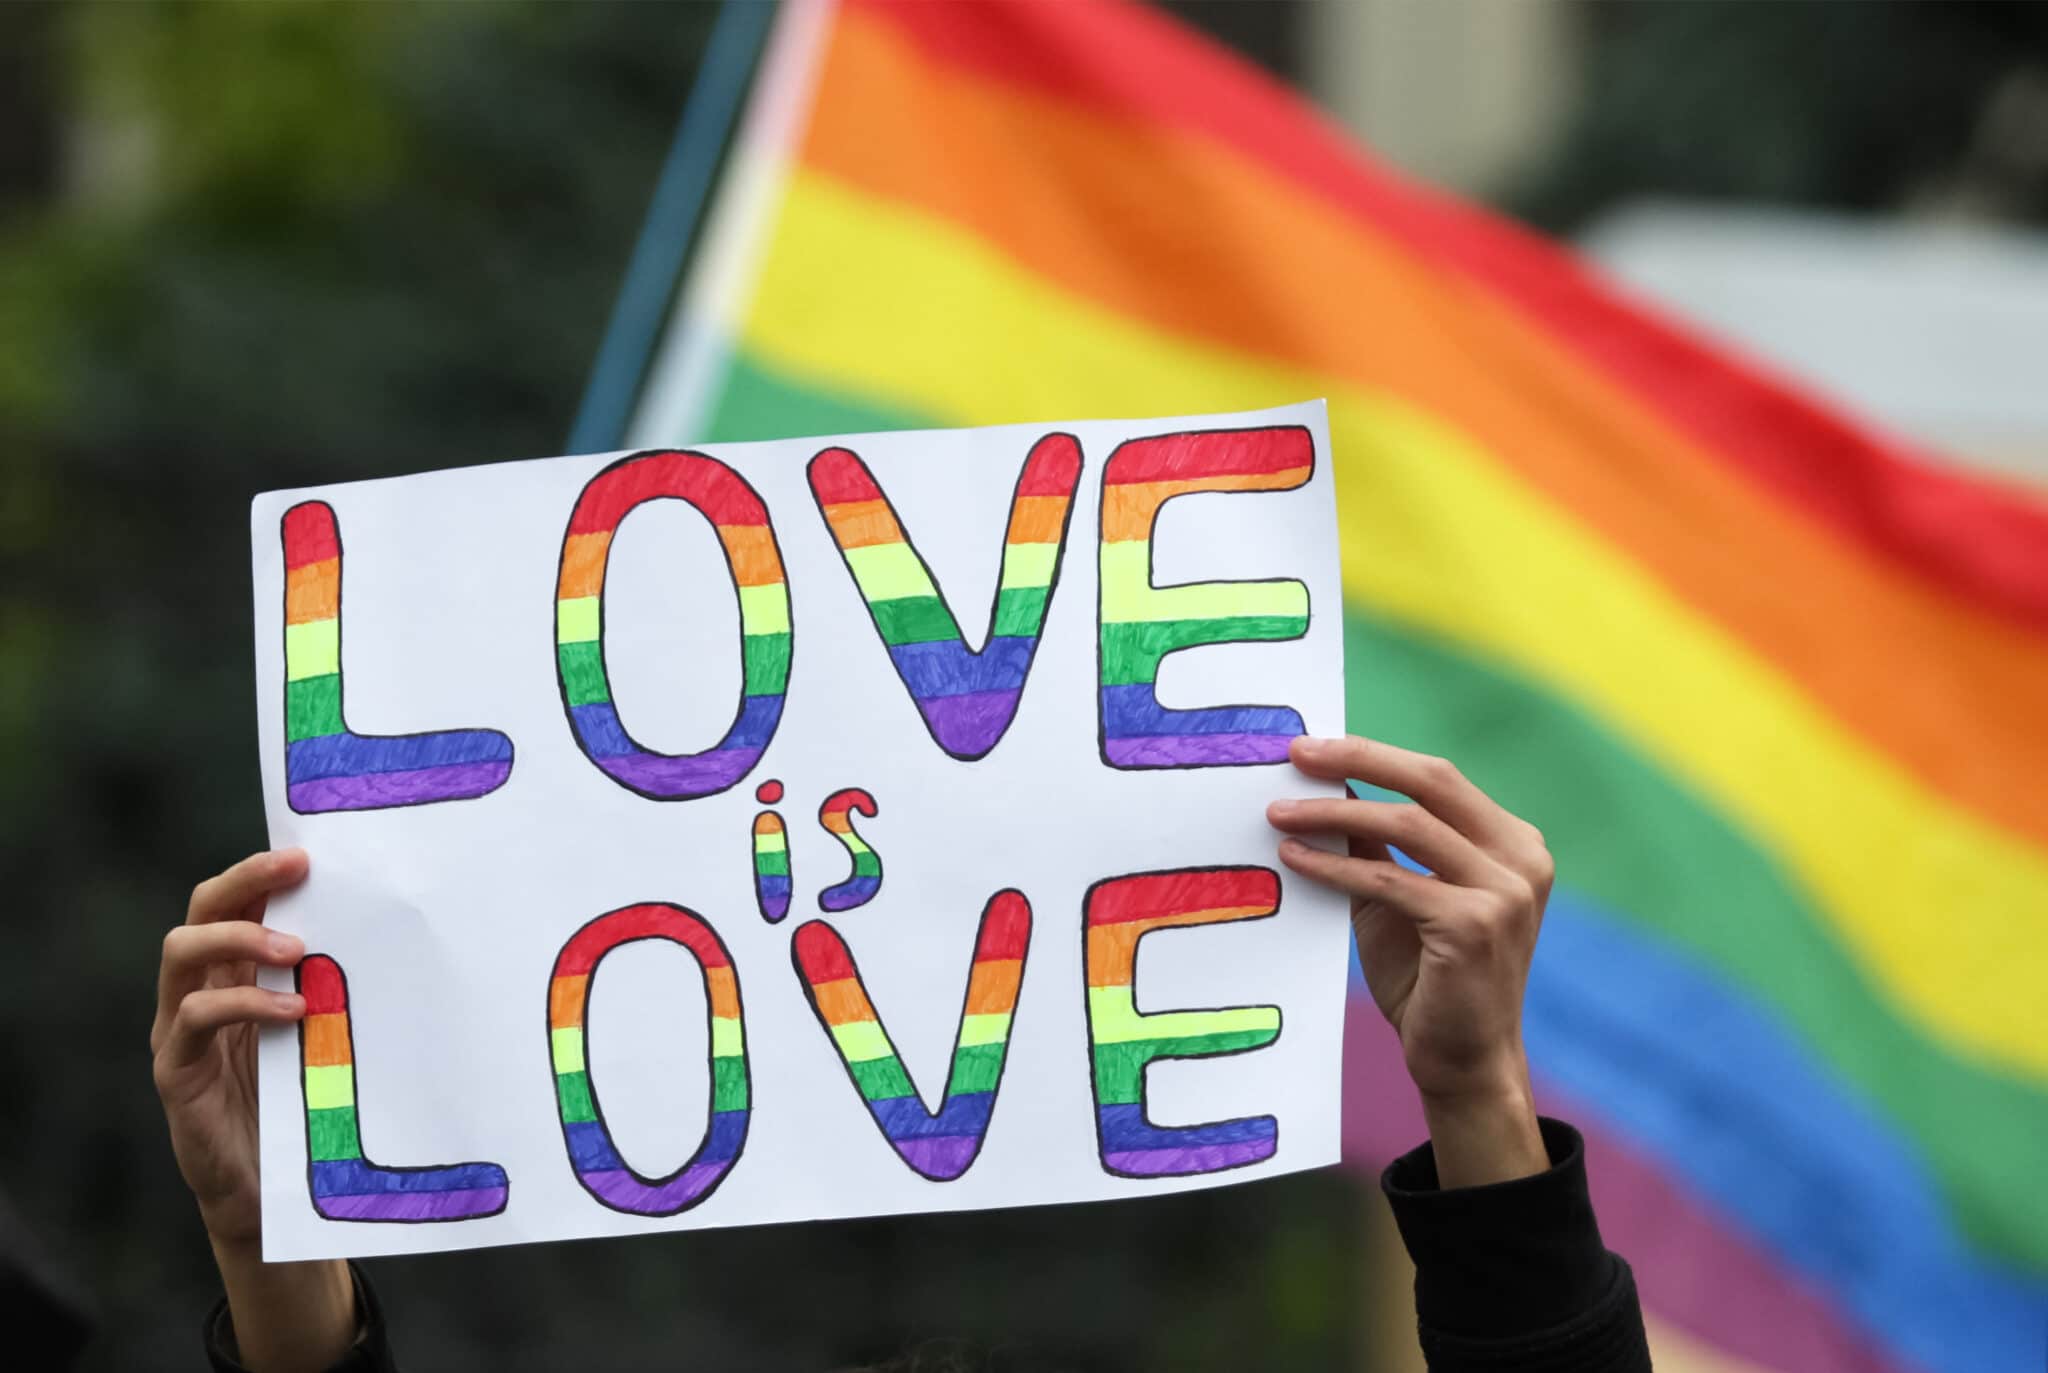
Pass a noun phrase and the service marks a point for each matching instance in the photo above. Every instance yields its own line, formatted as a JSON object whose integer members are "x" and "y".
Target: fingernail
{"x": 1293, "y": 848}
{"x": 286, "y": 945}
{"x": 291, "y": 1003}
{"x": 1283, "y": 807}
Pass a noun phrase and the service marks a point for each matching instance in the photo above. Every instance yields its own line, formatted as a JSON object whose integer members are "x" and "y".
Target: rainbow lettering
{"x": 1125, "y": 1040}
{"x": 1141, "y": 623}
{"x": 859, "y": 888}
{"x": 967, "y": 697}
{"x": 345, "y": 1185}
{"x": 326, "y": 765}
{"x": 598, "y": 1166}
{"x": 942, "y": 1145}
{"x": 735, "y": 511}
{"x": 771, "y": 856}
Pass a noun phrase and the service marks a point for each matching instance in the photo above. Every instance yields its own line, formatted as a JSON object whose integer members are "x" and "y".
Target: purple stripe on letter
{"x": 1196, "y": 750}
{"x": 972, "y": 722}
{"x": 1208, "y": 1158}
{"x": 629, "y": 1193}
{"x": 370, "y": 790}
{"x": 943, "y": 1158}
{"x": 696, "y": 774}
{"x": 462, "y": 1204}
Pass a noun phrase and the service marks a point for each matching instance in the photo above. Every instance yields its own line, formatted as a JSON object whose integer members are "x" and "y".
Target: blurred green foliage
{"x": 245, "y": 246}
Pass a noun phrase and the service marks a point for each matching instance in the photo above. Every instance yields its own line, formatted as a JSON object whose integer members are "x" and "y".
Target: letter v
{"x": 966, "y": 696}
{"x": 939, "y": 1145}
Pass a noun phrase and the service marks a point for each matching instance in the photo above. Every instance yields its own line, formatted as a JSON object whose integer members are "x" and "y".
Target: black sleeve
{"x": 371, "y": 1353}
{"x": 1512, "y": 1277}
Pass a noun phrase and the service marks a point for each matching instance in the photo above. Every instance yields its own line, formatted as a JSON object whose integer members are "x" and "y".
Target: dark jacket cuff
{"x": 1519, "y": 1262}
{"x": 371, "y": 1352}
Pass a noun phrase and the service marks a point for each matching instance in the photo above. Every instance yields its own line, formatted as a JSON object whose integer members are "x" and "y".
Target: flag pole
{"x": 673, "y": 215}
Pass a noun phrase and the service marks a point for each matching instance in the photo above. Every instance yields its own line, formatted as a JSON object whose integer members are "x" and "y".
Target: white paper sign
{"x": 766, "y": 831}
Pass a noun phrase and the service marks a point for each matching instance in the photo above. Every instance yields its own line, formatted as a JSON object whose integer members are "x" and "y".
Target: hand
{"x": 208, "y": 1011}
{"x": 1446, "y": 957}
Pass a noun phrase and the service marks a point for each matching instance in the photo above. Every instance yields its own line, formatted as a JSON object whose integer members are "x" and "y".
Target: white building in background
{"x": 1934, "y": 329}
{"x": 1455, "y": 91}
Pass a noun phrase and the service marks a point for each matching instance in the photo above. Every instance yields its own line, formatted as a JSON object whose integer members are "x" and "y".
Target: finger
{"x": 228, "y": 895}
{"x": 1411, "y": 829}
{"x": 1435, "y": 783}
{"x": 191, "y": 951}
{"x": 1387, "y": 884}
{"x": 204, "y": 1014}
{"x": 1368, "y": 848}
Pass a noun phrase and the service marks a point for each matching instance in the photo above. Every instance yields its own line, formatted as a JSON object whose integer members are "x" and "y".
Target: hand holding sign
{"x": 203, "y": 1043}
{"x": 1446, "y": 956}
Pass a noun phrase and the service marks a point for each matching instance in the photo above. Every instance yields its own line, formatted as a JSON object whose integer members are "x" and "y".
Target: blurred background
{"x": 246, "y": 246}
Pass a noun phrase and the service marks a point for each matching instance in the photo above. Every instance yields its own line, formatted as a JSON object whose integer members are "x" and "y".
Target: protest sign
{"x": 772, "y": 831}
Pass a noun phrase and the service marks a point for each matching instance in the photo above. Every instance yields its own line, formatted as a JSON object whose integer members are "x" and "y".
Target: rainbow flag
{"x": 1775, "y": 688}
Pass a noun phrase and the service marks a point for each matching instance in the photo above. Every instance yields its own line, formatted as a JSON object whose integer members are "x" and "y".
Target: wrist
{"x": 233, "y": 1229}
{"x": 286, "y": 1317}
{"x": 1486, "y": 1132}
{"x": 233, "y": 1252}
